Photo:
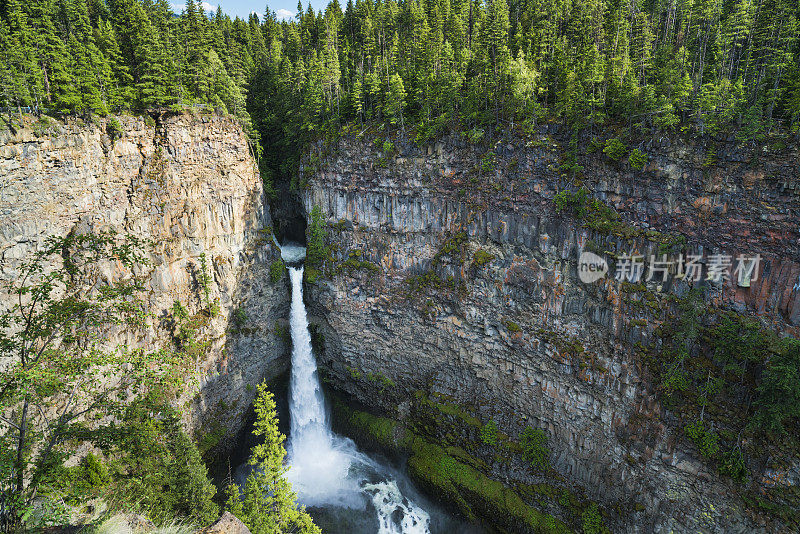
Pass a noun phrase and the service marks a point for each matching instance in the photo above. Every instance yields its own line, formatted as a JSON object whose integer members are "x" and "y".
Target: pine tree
{"x": 266, "y": 488}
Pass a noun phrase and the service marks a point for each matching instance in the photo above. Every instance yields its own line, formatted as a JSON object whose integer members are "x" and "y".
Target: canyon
{"x": 449, "y": 296}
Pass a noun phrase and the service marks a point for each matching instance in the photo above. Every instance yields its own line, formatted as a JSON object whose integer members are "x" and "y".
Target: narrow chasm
{"x": 289, "y": 217}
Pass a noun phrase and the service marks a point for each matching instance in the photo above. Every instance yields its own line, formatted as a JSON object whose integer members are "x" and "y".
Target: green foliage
{"x": 489, "y": 433}
{"x": 488, "y": 162}
{"x": 114, "y": 129}
{"x": 778, "y": 400}
{"x": 56, "y": 357}
{"x": 474, "y": 135}
{"x": 355, "y": 262}
{"x": 158, "y": 467}
{"x": 317, "y": 250}
{"x": 704, "y": 438}
{"x": 591, "y": 520}
{"x": 266, "y": 487}
{"x": 238, "y": 319}
{"x": 204, "y": 280}
{"x": 379, "y": 378}
{"x": 637, "y": 159}
{"x": 674, "y": 376}
{"x": 486, "y": 66}
{"x": 615, "y": 149}
{"x": 732, "y": 464}
{"x": 93, "y": 472}
{"x": 276, "y": 270}
{"x": 533, "y": 442}
{"x": 481, "y": 258}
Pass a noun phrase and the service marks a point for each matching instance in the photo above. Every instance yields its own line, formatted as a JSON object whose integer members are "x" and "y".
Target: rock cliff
{"x": 189, "y": 184}
{"x": 454, "y": 278}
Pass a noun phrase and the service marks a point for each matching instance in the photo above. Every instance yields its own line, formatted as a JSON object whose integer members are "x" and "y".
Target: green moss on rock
{"x": 451, "y": 472}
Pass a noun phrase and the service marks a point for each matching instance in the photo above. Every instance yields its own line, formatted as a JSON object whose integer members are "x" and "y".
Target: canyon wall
{"x": 190, "y": 185}
{"x": 453, "y": 276}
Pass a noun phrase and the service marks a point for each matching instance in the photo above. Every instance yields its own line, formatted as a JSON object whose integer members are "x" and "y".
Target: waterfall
{"x": 327, "y": 470}
{"x": 320, "y": 464}
{"x": 306, "y": 404}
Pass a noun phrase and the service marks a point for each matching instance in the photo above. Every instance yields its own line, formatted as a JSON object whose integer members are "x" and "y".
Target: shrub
{"x": 534, "y": 448}
{"x": 591, "y": 520}
{"x": 732, "y": 464}
{"x": 614, "y": 149}
{"x": 637, "y": 159}
{"x": 779, "y": 391}
{"x": 572, "y": 200}
{"x": 276, "y": 270}
{"x": 474, "y": 135}
{"x": 481, "y": 258}
{"x": 159, "y": 467}
{"x": 114, "y": 129}
{"x": 705, "y": 439}
{"x": 93, "y": 472}
{"x": 489, "y": 433}
{"x": 489, "y": 162}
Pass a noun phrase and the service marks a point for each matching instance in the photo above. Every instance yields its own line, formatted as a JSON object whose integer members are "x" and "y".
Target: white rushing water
{"x": 326, "y": 469}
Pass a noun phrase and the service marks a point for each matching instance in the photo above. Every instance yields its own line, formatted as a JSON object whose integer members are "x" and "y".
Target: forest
{"x": 706, "y": 67}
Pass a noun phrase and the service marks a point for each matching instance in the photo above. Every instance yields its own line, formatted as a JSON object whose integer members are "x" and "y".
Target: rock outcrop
{"x": 226, "y": 524}
{"x": 190, "y": 185}
{"x": 453, "y": 275}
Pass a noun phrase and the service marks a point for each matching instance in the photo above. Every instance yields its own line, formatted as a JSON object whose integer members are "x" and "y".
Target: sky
{"x": 243, "y": 8}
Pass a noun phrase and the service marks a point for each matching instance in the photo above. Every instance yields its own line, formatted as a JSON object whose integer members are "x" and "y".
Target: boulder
{"x": 227, "y": 524}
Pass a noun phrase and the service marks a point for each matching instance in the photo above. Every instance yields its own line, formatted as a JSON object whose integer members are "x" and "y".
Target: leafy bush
{"x": 93, "y": 472}
{"x": 276, "y": 270}
{"x": 481, "y": 258}
{"x": 239, "y": 318}
{"x": 534, "y": 448}
{"x": 489, "y": 433}
{"x": 576, "y": 201}
{"x": 591, "y": 520}
{"x": 705, "y": 439}
{"x": 779, "y": 391}
{"x": 474, "y": 135}
{"x": 637, "y": 159}
{"x": 614, "y": 149}
{"x": 159, "y": 468}
{"x": 114, "y": 129}
{"x": 316, "y": 248}
{"x": 732, "y": 464}
{"x": 489, "y": 162}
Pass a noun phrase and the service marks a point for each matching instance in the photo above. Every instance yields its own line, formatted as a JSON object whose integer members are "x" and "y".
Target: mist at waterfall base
{"x": 345, "y": 490}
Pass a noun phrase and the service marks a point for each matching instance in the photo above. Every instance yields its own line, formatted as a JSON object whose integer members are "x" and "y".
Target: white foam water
{"x": 327, "y": 469}
{"x": 291, "y": 252}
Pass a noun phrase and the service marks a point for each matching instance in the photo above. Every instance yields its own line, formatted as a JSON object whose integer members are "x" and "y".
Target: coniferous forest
{"x": 705, "y": 66}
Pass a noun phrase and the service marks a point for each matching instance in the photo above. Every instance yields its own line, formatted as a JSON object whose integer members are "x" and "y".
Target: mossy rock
{"x": 451, "y": 472}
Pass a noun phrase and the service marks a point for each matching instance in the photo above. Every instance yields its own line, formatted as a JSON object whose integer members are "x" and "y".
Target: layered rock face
{"x": 455, "y": 276}
{"x": 188, "y": 184}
